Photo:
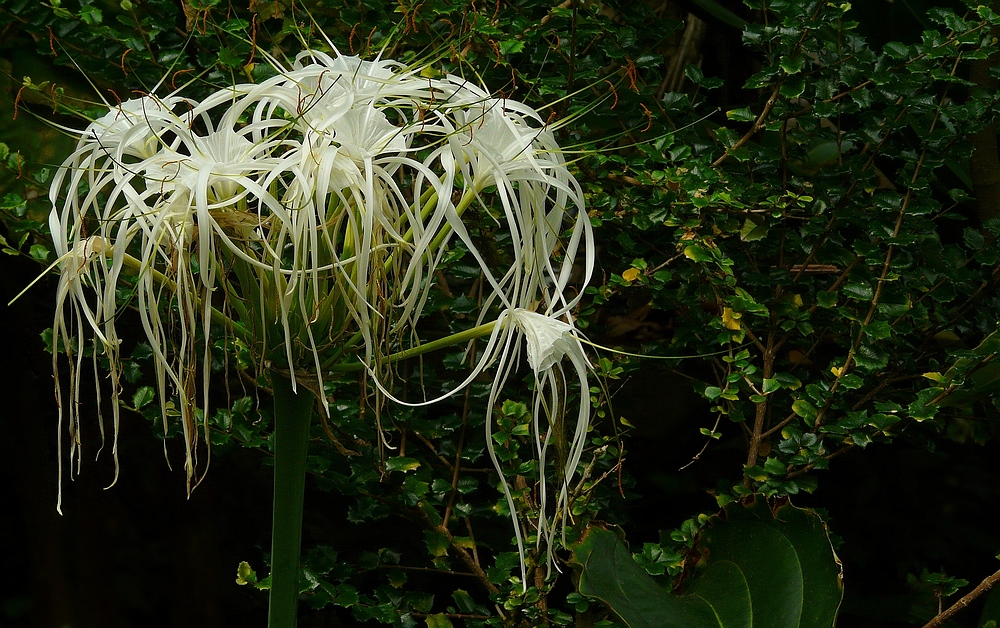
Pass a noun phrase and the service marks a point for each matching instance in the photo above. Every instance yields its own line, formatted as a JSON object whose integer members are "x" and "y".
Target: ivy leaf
{"x": 870, "y": 358}
{"x": 511, "y": 46}
{"x": 859, "y": 291}
{"x": 774, "y": 466}
{"x": 751, "y": 231}
{"x": 143, "y": 397}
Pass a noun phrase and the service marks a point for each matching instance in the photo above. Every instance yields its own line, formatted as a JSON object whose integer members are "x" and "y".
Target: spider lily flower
{"x": 78, "y": 269}
{"x": 548, "y": 342}
{"x": 314, "y": 208}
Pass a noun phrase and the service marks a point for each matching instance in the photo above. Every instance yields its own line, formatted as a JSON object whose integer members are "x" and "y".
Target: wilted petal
{"x": 549, "y": 339}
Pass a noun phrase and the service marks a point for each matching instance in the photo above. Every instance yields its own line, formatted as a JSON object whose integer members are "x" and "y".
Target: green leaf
{"x": 789, "y": 381}
{"x": 437, "y": 543}
{"x": 878, "y": 330}
{"x": 39, "y": 252}
{"x": 861, "y": 292}
{"x": 401, "y": 463}
{"x": 751, "y": 231}
{"x": 973, "y": 239}
{"x": 511, "y": 46}
{"x": 759, "y": 568}
{"x": 741, "y": 115}
{"x": 505, "y": 562}
{"x": 792, "y": 573}
{"x": 826, "y": 299}
{"x": 14, "y": 204}
{"x": 793, "y": 87}
{"x": 438, "y": 621}
{"x": 244, "y": 574}
{"x": 851, "y": 381}
{"x": 230, "y": 58}
{"x": 464, "y": 601}
{"x": 792, "y": 65}
{"x": 804, "y": 409}
{"x": 142, "y": 397}
{"x": 697, "y": 253}
{"x": 694, "y": 74}
{"x": 774, "y": 466}
{"x": 609, "y": 573}
{"x": 91, "y": 15}
{"x": 871, "y": 358}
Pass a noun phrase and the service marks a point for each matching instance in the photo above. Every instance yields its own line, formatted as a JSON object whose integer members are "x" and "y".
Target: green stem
{"x": 217, "y": 317}
{"x": 463, "y": 336}
{"x": 292, "y": 416}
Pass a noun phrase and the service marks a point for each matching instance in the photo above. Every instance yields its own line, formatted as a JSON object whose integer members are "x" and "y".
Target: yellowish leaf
{"x": 730, "y": 319}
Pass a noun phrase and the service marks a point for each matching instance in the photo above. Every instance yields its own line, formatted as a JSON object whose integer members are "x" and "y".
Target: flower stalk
{"x": 292, "y": 418}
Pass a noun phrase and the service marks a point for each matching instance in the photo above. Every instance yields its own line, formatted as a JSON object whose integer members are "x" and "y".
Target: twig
{"x": 459, "y": 551}
{"x": 757, "y": 126}
{"x": 983, "y": 587}
{"x": 757, "y": 436}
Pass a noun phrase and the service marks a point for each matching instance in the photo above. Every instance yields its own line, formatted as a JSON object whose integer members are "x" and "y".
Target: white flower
{"x": 549, "y": 342}
{"x": 313, "y": 208}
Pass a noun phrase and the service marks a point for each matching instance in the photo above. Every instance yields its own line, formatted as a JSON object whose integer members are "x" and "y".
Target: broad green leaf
{"x": 793, "y": 574}
{"x": 870, "y": 358}
{"x": 609, "y": 573}
{"x": 793, "y": 87}
{"x": 760, "y": 569}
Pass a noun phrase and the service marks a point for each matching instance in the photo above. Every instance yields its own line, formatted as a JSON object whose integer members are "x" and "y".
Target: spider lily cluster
{"x": 307, "y": 214}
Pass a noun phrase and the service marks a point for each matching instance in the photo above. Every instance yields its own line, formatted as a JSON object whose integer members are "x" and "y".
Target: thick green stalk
{"x": 292, "y": 415}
